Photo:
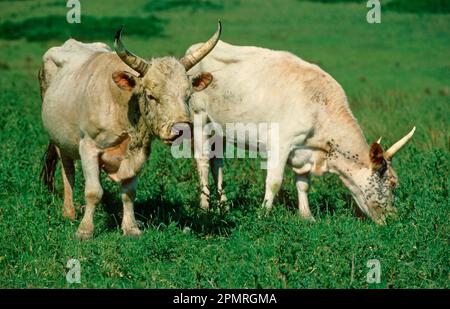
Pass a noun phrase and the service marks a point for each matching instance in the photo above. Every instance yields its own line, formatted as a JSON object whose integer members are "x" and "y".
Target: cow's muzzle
{"x": 381, "y": 215}
{"x": 177, "y": 131}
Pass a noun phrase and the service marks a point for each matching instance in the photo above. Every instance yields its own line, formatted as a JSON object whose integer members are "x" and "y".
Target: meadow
{"x": 396, "y": 75}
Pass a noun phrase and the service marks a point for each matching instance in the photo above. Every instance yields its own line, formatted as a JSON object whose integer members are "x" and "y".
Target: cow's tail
{"x": 49, "y": 159}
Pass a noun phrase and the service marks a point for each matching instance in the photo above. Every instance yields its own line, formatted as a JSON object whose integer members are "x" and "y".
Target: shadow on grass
{"x": 157, "y": 212}
{"x": 91, "y": 28}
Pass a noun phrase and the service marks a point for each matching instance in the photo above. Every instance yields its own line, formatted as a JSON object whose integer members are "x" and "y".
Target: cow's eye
{"x": 151, "y": 97}
{"x": 382, "y": 169}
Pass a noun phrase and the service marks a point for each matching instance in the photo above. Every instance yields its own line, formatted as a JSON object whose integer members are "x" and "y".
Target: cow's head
{"x": 163, "y": 86}
{"x": 373, "y": 186}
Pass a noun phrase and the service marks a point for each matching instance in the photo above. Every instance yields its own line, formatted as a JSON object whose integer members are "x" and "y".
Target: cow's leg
{"x": 201, "y": 158}
{"x": 302, "y": 183}
{"x": 93, "y": 190}
{"x": 274, "y": 178}
{"x": 68, "y": 176}
{"x": 216, "y": 165}
{"x": 203, "y": 172}
{"x": 128, "y": 192}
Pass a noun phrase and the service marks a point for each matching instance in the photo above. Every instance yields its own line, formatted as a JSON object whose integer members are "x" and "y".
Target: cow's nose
{"x": 381, "y": 214}
{"x": 181, "y": 127}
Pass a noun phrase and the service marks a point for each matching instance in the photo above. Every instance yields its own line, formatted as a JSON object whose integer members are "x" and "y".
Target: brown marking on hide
{"x": 322, "y": 89}
{"x": 290, "y": 68}
{"x": 319, "y": 98}
{"x": 319, "y": 165}
{"x": 202, "y": 81}
{"x": 111, "y": 157}
{"x": 342, "y": 111}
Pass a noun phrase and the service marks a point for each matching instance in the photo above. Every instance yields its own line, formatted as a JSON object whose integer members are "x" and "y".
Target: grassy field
{"x": 396, "y": 75}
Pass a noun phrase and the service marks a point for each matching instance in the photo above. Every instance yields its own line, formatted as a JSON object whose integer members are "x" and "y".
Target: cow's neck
{"x": 141, "y": 135}
{"x": 125, "y": 160}
{"x": 345, "y": 146}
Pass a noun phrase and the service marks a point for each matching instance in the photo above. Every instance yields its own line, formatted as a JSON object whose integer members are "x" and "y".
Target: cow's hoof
{"x": 140, "y": 224}
{"x": 263, "y": 212}
{"x": 132, "y": 232}
{"x": 223, "y": 198}
{"x": 204, "y": 205}
{"x": 223, "y": 204}
{"x": 83, "y": 235}
{"x": 308, "y": 218}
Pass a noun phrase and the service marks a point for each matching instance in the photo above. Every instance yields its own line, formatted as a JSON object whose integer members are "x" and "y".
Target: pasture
{"x": 396, "y": 74}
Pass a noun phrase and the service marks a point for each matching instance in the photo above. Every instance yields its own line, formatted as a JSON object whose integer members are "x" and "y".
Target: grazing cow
{"x": 317, "y": 131}
{"x": 105, "y": 108}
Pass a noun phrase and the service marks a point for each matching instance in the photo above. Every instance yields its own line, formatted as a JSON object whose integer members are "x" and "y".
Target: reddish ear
{"x": 124, "y": 80}
{"x": 202, "y": 81}
{"x": 376, "y": 155}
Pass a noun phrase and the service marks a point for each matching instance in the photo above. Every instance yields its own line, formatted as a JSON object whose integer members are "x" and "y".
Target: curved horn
{"x": 379, "y": 140}
{"x": 191, "y": 59}
{"x": 135, "y": 62}
{"x": 396, "y": 147}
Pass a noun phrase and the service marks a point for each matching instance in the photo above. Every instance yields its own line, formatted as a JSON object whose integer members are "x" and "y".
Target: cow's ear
{"x": 201, "y": 81}
{"x": 125, "y": 80}
{"x": 376, "y": 156}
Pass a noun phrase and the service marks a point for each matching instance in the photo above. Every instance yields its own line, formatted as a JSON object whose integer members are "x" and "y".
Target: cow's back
{"x": 256, "y": 84}
{"x": 73, "y": 81}
{"x": 249, "y": 81}
{"x": 71, "y": 55}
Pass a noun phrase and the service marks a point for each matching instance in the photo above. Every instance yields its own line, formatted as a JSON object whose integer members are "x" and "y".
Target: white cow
{"x": 317, "y": 131}
{"x": 105, "y": 108}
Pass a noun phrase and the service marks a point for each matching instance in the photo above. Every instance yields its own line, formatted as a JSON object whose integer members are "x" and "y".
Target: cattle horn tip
{"x": 118, "y": 33}
{"x": 379, "y": 140}
{"x": 398, "y": 145}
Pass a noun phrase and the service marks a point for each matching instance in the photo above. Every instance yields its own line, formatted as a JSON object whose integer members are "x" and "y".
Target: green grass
{"x": 396, "y": 75}
{"x": 54, "y": 27}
